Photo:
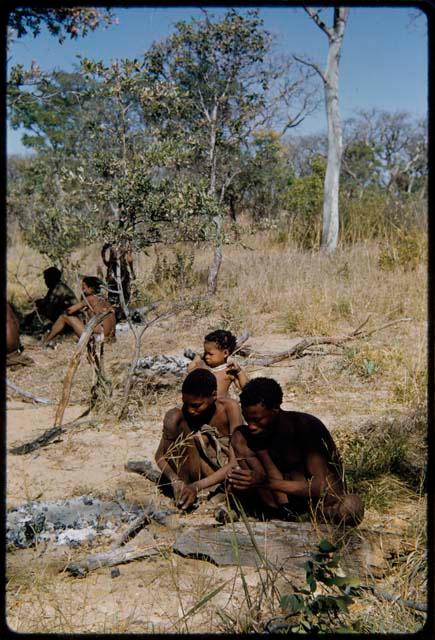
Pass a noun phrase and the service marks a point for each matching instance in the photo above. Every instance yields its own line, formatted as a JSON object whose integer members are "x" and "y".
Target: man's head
{"x": 199, "y": 392}
{"x": 261, "y": 399}
{"x": 218, "y": 345}
{"x": 52, "y": 276}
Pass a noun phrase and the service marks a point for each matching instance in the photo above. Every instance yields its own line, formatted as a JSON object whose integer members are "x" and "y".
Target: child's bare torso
{"x": 97, "y": 304}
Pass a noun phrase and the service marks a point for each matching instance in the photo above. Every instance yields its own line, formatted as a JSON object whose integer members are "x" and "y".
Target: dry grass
{"x": 276, "y": 291}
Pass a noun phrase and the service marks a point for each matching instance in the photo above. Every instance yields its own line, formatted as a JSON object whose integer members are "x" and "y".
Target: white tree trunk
{"x": 330, "y": 225}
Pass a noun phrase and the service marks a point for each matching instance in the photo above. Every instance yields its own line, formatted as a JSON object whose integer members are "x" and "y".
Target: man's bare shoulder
{"x": 227, "y": 403}
{"x": 173, "y": 415}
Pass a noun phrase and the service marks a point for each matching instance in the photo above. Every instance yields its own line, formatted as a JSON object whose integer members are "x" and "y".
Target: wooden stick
{"x": 75, "y": 360}
{"x": 135, "y": 526}
{"x": 48, "y": 436}
{"x": 297, "y": 351}
{"x": 28, "y": 395}
{"x": 120, "y": 555}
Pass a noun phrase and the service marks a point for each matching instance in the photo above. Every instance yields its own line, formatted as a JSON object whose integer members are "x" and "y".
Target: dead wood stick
{"x": 135, "y": 526}
{"x": 120, "y": 555}
{"x": 390, "y": 597}
{"x": 48, "y": 436}
{"x": 28, "y": 395}
{"x": 75, "y": 360}
{"x": 297, "y": 351}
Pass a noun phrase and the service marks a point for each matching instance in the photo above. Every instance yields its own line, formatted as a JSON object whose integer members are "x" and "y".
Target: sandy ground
{"x": 154, "y": 594}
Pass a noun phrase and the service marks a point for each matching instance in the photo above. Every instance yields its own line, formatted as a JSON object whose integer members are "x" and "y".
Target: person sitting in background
{"x": 287, "y": 461}
{"x": 58, "y": 297}
{"x": 47, "y": 309}
{"x": 218, "y": 346}
{"x": 112, "y": 256}
{"x": 194, "y": 451}
{"x": 92, "y": 305}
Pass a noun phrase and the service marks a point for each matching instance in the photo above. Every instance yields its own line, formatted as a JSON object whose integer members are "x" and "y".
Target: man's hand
{"x": 242, "y": 479}
{"x": 184, "y": 494}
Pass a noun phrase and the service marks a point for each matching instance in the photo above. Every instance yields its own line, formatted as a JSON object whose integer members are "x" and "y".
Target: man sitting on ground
{"x": 55, "y": 302}
{"x": 287, "y": 461}
{"x": 194, "y": 451}
{"x": 58, "y": 297}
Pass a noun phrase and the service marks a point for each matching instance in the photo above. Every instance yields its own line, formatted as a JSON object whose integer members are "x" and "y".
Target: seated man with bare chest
{"x": 288, "y": 463}
{"x": 194, "y": 451}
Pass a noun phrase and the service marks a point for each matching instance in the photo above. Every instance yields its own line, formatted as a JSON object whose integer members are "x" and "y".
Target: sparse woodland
{"x": 191, "y": 157}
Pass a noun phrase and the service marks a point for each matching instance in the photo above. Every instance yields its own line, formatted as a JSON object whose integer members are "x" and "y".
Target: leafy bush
{"x": 311, "y": 612}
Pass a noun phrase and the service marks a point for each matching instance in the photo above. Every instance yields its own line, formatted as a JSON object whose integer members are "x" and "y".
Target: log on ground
{"x": 286, "y": 545}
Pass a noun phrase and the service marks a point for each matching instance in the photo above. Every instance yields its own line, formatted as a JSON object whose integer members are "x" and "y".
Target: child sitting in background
{"x": 92, "y": 305}
{"x": 218, "y": 346}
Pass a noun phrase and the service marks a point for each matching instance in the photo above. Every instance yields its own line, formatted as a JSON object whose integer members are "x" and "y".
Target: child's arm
{"x": 197, "y": 363}
{"x": 237, "y": 374}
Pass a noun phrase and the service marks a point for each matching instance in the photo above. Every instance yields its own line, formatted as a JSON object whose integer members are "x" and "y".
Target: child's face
{"x": 213, "y": 355}
{"x": 87, "y": 290}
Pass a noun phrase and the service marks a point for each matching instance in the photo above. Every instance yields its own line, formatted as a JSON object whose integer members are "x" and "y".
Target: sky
{"x": 384, "y": 62}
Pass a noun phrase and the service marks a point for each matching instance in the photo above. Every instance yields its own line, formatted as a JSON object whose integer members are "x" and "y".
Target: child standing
{"x": 92, "y": 305}
{"x": 218, "y": 346}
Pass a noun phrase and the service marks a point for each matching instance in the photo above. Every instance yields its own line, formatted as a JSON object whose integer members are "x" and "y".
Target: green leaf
{"x": 327, "y": 547}
{"x": 292, "y": 603}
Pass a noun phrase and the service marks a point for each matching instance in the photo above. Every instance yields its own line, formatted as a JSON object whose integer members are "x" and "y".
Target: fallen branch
{"x": 297, "y": 351}
{"x": 390, "y": 597}
{"x": 120, "y": 555}
{"x": 75, "y": 360}
{"x": 48, "y": 436}
{"x": 138, "y": 524}
{"x": 28, "y": 395}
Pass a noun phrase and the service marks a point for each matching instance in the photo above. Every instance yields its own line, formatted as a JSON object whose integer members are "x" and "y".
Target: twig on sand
{"x": 75, "y": 361}
{"x": 298, "y": 350}
{"x": 27, "y": 394}
{"x": 49, "y": 435}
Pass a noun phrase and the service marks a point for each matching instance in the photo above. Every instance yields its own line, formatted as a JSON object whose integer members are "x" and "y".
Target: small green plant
{"x": 365, "y": 362}
{"x": 307, "y": 610}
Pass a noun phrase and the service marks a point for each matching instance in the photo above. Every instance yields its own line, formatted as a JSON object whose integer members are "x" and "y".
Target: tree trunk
{"x": 330, "y": 224}
{"x": 335, "y": 35}
{"x": 213, "y": 269}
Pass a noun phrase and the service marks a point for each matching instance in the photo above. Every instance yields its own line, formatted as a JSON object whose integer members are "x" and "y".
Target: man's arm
{"x": 249, "y": 472}
{"x": 314, "y": 487}
{"x": 74, "y": 308}
{"x": 169, "y": 435}
{"x": 104, "y": 254}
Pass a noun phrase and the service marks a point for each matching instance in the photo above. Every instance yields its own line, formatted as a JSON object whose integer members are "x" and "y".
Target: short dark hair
{"x": 93, "y": 282}
{"x": 265, "y": 391}
{"x": 224, "y": 339}
{"x": 52, "y": 274}
{"x": 200, "y": 382}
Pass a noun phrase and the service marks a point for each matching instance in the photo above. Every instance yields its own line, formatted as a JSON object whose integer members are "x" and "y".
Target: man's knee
{"x": 349, "y": 510}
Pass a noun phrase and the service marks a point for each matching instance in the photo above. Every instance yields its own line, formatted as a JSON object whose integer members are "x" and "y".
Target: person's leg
{"x": 347, "y": 510}
{"x": 63, "y": 321}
